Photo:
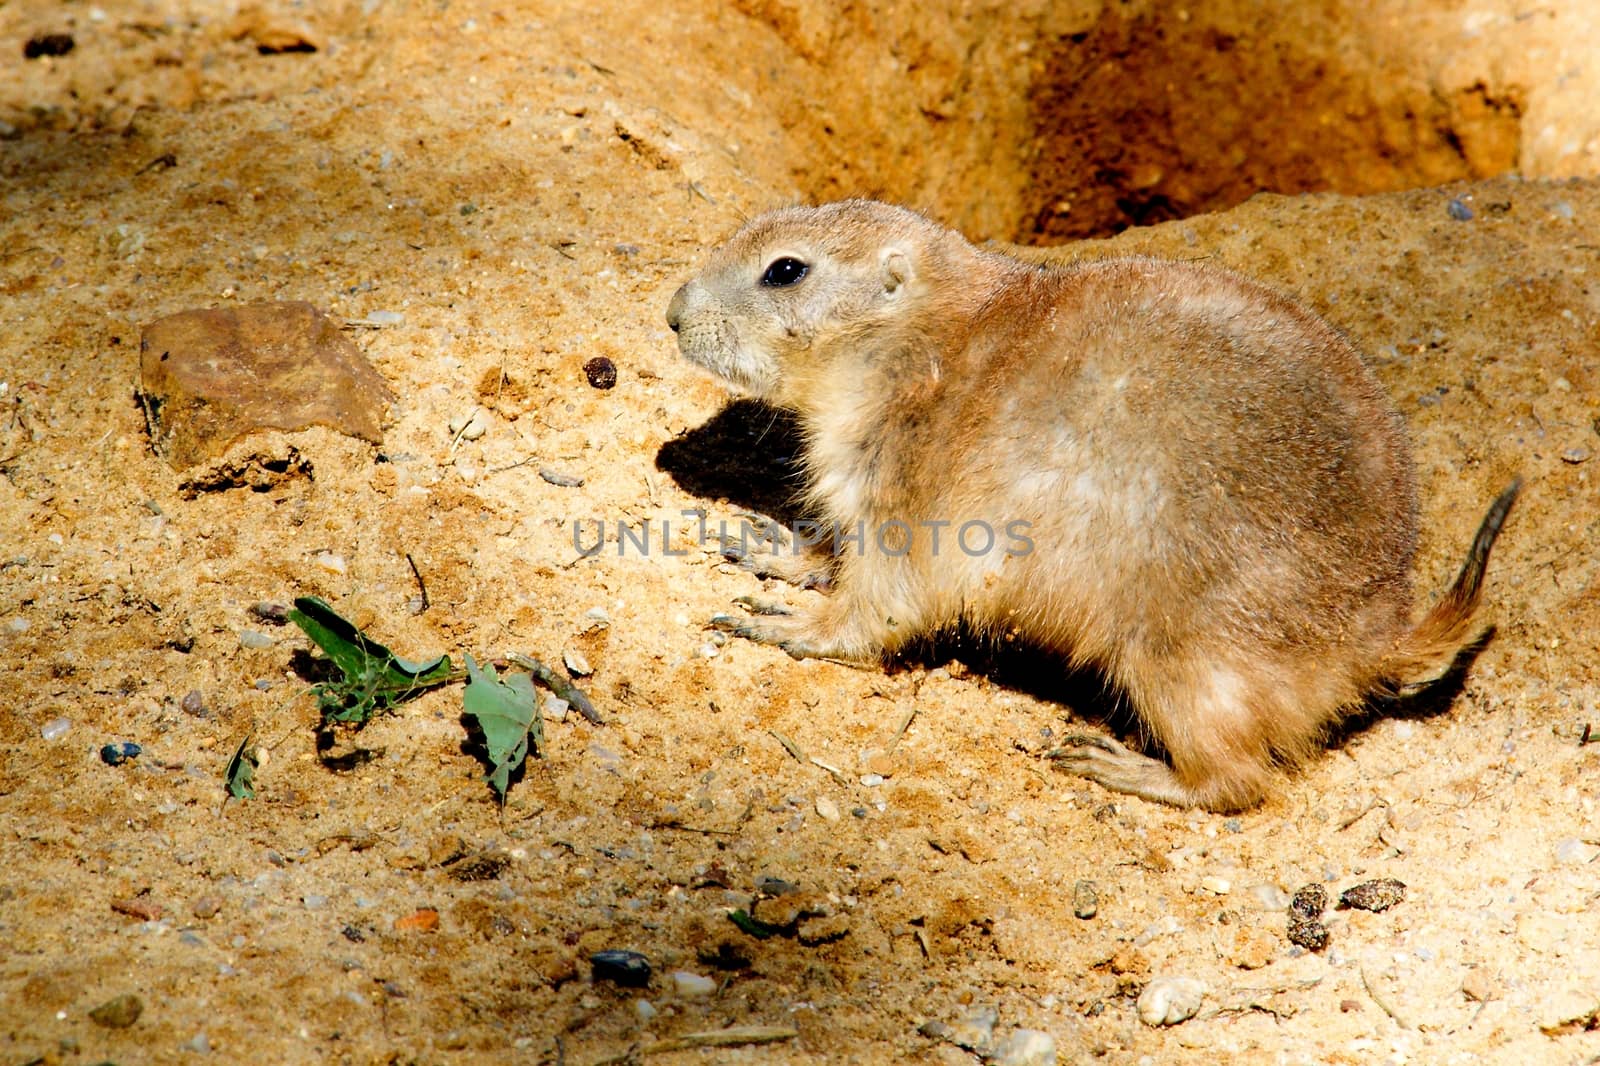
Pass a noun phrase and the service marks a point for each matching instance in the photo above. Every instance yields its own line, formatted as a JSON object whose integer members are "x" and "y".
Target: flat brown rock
{"x": 212, "y": 377}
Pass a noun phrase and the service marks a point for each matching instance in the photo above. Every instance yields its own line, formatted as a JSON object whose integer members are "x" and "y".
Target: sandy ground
{"x": 525, "y": 186}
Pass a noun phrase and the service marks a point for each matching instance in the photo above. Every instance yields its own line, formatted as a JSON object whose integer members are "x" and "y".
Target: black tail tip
{"x": 1500, "y": 508}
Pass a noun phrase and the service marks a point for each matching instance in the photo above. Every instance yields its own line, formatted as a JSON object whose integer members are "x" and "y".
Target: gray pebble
{"x": 1085, "y": 900}
{"x": 560, "y": 480}
{"x": 1459, "y": 210}
{"x": 1575, "y": 852}
{"x": 975, "y": 1032}
{"x": 266, "y": 611}
{"x": 1575, "y": 455}
{"x": 249, "y": 638}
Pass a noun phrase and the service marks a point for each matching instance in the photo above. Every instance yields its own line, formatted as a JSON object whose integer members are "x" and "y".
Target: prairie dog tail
{"x": 1426, "y": 652}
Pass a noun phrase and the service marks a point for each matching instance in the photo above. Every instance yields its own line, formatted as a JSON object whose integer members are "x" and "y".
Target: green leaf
{"x": 507, "y": 712}
{"x": 754, "y": 926}
{"x": 373, "y": 677}
{"x": 241, "y": 771}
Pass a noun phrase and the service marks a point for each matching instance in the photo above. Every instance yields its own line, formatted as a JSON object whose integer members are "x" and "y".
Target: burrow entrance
{"x": 1146, "y": 120}
{"x": 1084, "y": 117}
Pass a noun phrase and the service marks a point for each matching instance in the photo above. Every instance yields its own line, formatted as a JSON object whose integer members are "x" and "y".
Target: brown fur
{"x": 1218, "y": 493}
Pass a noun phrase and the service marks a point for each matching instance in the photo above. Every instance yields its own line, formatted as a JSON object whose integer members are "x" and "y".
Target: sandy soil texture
{"x": 504, "y": 192}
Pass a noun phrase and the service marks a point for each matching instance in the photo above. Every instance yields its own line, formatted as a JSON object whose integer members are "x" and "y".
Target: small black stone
{"x": 117, "y": 754}
{"x": 601, "y": 372}
{"x": 627, "y": 968}
{"x": 48, "y": 44}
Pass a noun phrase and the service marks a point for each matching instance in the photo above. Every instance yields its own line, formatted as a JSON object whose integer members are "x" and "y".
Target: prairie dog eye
{"x": 784, "y": 272}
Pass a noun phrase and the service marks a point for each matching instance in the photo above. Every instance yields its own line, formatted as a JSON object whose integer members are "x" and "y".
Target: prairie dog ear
{"x": 896, "y": 269}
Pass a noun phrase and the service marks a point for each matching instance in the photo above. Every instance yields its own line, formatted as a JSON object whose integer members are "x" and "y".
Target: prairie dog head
{"x": 798, "y": 293}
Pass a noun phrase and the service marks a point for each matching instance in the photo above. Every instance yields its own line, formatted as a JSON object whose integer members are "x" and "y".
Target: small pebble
{"x": 707, "y": 650}
{"x": 118, "y": 1013}
{"x": 975, "y": 1032}
{"x": 332, "y": 563}
{"x": 645, "y": 1010}
{"x": 470, "y": 427}
{"x": 425, "y": 920}
{"x": 1459, "y": 210}
{"x": 575, "y": 663}
{"x": 560, "y": 480}
{"x": 1170, "y": 1000}
{"x": 276, "y": 613}
{"x": 1478, "y": 986}
{"x": 199, "y": 1043}
{"x": 314, "y": 902}
{"x": 595, "y": 618}
{"x": 19, "y": 625}
{"x": 827, "y": 810}
{"x": 385, "y": 318}
{"x": 1025, "y": 1047}
{"x": 627, "y": 968}
{"x": 143, "y": 909}
{"x": 206, "y": 907}
{"x": 1308, "y": 933}
{"x": 1575, "y": 455}
{"x": 692, "y": 985}
{"x": 601, "y": 372}
{"x": 117, "y": 754}
{"x": 1575, "y": 852}
{"x": 1309, "y": 901}
{"x": 1376, "y": 895}
{"x": 872, "y": 780}
{"x": 194, "y": 702}
{"x": 1085, "y": 900}
{"x": 55, "y": 728}
{"x": 1217, "y": 886}
{"x": 555, "y": 708}
{"x": 249, "y": 638}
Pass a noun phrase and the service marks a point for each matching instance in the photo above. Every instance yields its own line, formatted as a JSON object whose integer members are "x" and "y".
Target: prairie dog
{"x": 1217, "y": 495}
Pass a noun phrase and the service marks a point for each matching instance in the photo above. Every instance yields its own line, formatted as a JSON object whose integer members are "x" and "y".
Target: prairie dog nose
{"x": 675, "y": 308}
